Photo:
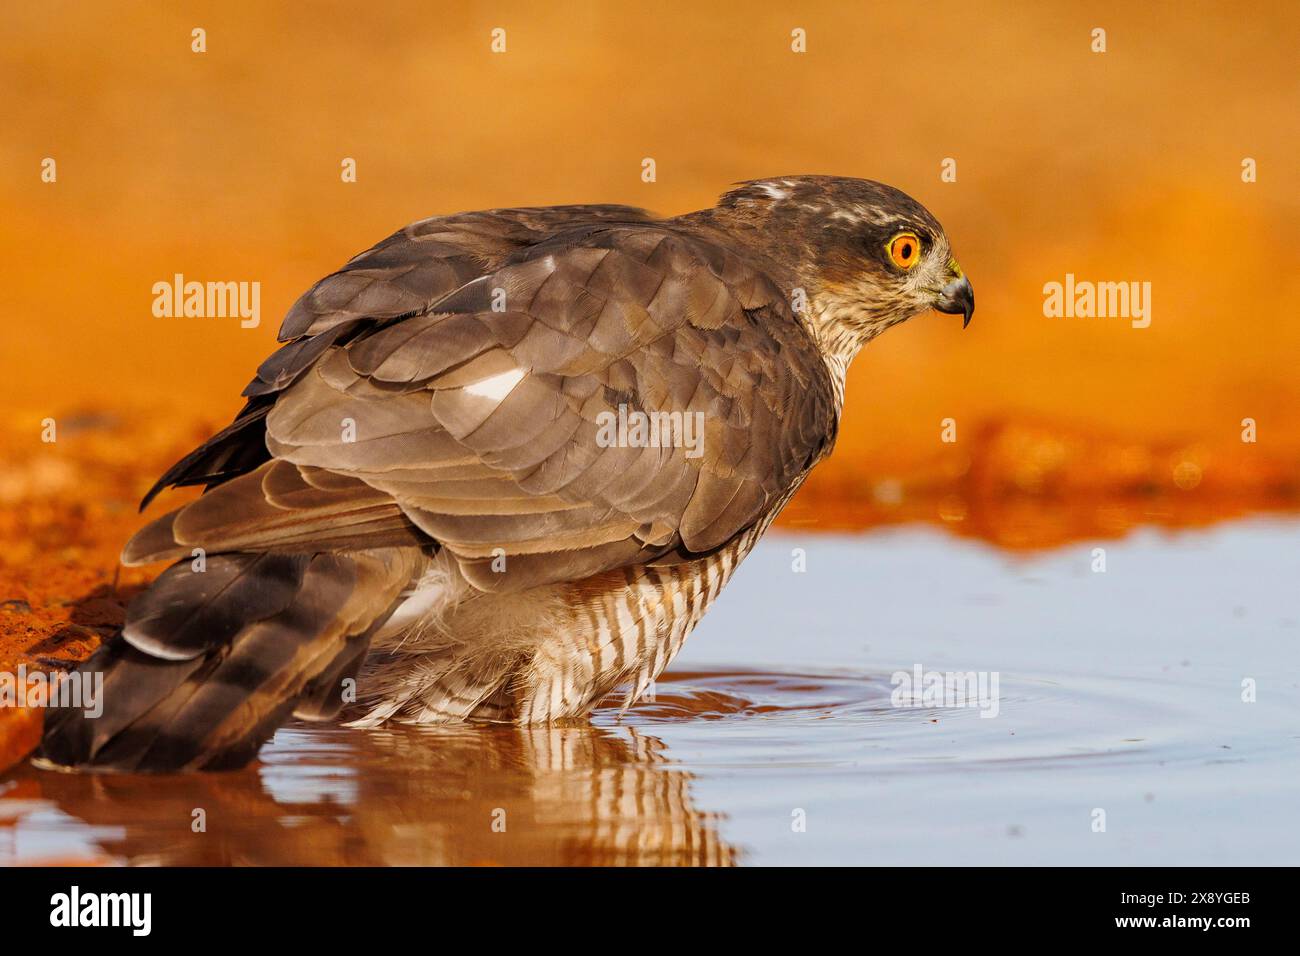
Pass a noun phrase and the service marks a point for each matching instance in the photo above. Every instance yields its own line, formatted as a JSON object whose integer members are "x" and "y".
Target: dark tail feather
{"x": 208, "y": 667}
{"x": 241, "y": 446}
{"x": 238, "y": 448}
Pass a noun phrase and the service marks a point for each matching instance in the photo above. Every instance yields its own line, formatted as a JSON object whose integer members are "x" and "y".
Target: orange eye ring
{"x": 904, "y": 250}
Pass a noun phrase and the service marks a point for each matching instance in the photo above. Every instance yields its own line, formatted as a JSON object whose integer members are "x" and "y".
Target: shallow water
{"x": 774, "y": 739}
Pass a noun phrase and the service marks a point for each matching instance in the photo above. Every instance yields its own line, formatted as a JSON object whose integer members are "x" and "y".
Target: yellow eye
{"x": 905, "y": 250}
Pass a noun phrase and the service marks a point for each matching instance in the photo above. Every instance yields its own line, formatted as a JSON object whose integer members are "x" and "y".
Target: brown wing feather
{"x": 399, "y": 276}
{"x": 476, "y": 423}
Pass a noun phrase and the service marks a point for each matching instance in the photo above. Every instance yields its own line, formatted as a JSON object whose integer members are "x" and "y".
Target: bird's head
{"x": 865, "y": 255}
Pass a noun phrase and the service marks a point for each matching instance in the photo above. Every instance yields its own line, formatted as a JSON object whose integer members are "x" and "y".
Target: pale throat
{"x": 830, "y": 322}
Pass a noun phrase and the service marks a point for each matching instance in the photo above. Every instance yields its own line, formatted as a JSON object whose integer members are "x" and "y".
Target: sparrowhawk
{"x": 432, "y": 507}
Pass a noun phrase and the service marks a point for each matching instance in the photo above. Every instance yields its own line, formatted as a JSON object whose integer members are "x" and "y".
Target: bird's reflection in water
{"x": 399, "y": 796}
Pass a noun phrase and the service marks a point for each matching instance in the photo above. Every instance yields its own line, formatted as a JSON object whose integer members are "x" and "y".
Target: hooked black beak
{"x": 957, "y": 298}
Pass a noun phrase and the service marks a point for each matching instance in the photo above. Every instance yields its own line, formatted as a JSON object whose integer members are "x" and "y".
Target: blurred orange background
{"x": 1116, "y": 166}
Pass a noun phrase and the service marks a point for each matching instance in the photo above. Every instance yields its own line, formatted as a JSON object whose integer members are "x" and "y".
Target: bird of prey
{"x": 423, "y": 512}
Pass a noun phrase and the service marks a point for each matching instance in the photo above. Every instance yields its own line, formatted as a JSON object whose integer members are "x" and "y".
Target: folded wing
{"x": 616, "y": 391}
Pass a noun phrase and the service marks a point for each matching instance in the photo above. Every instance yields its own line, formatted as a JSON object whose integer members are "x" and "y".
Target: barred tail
{"x": 211, "y": 662}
